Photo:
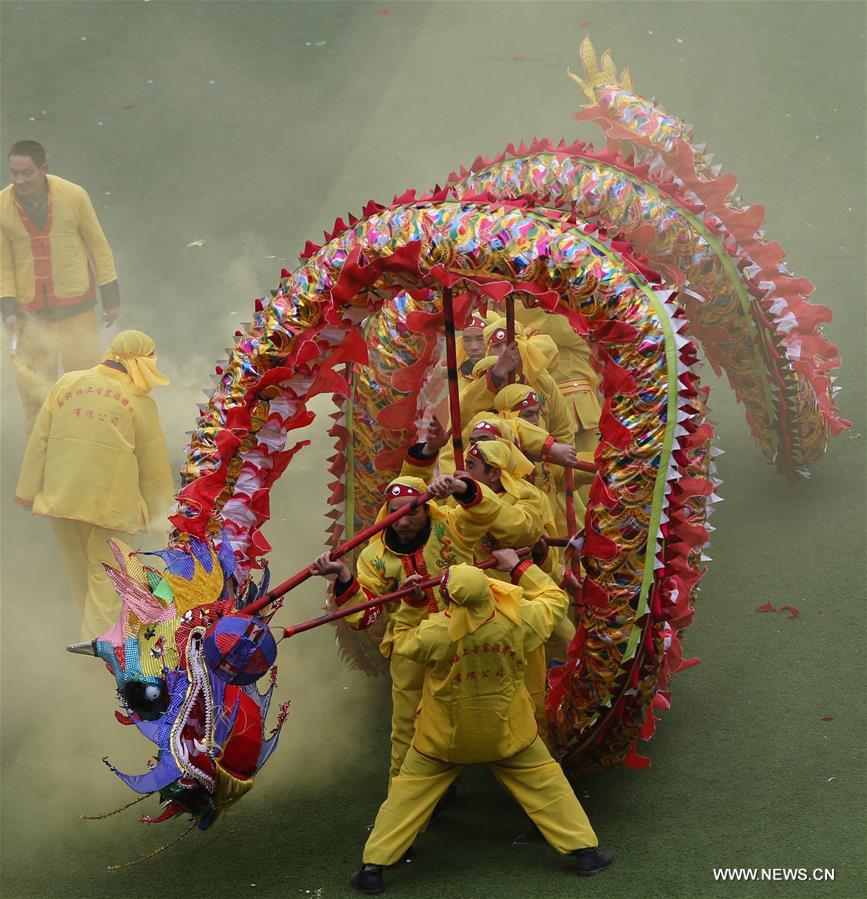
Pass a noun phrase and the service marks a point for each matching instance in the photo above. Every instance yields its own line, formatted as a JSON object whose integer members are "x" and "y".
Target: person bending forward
{"x": 476, "y": 709}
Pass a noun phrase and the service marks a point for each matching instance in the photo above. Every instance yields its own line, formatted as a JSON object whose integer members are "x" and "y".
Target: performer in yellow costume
{"x": 503, "y": 467}
{"x": 520, "y": 403}
{"x": 529, "y": 359}
{"x": 510, "y": 531}
{"x": 470, "y": 348}
{"x": 50, "y": 236}
{"x": 534, "y": 442}
{"x": 500, "y": 465}
{"x": 476, "y": 709}
{"x": 417, "y": 546}
{"x": 96, "y": 465}
{"x": 573, "y": 373}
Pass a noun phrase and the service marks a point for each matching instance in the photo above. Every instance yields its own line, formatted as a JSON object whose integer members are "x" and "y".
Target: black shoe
{"x": 368, "y": 879}
{"x": 591, "y": 861}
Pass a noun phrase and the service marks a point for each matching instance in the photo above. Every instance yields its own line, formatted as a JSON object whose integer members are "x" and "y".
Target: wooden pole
{"x": 589, "y": 467}
{"x": 452, "y": 368}
{"x": 359, "y": 538}
{"x": 378, "y": 601}
{"x": 510, "y": 328}
{"x": 572, "y": 581}
{"x": 510, "y": 320}
{"x": 570, "y": 501}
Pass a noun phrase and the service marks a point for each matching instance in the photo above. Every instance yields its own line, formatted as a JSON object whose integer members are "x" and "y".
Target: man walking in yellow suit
{"x": 51, "y": 244}
{"x": 96, "y": 465}
{"x": 476, "y": 709}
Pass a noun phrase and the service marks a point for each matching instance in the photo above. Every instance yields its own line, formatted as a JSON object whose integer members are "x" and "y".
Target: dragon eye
{"x": 148, "y": 701}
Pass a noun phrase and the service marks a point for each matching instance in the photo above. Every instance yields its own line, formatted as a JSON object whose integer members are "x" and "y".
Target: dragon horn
{"x": 85, "y": 648}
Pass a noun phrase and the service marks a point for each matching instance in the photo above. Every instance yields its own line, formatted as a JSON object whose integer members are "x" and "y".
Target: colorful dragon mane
{"x": 646, "y": 251}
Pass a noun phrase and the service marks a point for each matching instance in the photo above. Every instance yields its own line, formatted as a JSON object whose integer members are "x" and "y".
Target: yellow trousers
{"x": 73, "y": 340}
{"x": 407, "y": 678}
{"x": 531, "y": 776}
{"x": 534, "y": 681}
{"x": 84, "y": 549}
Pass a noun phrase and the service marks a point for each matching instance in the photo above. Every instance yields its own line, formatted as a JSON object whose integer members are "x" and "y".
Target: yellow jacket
{"x": 50, "y": 267}
{"x": 475, "y": 706}
{"x": 575, "y": 376}
{"x": 574, "y": 359}
{"x": 97, "y": 454}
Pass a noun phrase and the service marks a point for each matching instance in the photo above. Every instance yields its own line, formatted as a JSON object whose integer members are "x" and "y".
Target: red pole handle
{"x": 589, "y": 467}
{"x": 336, "y": 553}
{"x": 378, "y": 601}
{"x": 570, "y": 500}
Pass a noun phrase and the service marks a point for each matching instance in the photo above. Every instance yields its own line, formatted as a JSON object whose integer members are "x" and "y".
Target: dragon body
{"x": 649, "y": 255}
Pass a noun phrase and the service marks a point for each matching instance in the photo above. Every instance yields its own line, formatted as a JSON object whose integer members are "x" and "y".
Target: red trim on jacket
{"x": 43, "y": 283}
{"x": 477, "y": 494}
{"x": 418, "y": 458}
{"x": 414, "y": 563}
{"x": 520, "y": 569}
{"x": 342, "y": 595}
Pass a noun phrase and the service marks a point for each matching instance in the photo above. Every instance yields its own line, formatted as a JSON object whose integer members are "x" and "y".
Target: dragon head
{"x": 185, "y": 659}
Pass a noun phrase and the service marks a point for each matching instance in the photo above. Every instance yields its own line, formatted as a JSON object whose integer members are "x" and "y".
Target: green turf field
{"x": 215, "y": 139}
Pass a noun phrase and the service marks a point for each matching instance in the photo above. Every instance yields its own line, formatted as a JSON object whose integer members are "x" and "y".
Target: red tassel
{"x": 648, "y": 727}
{"x": 636, "y": 761}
